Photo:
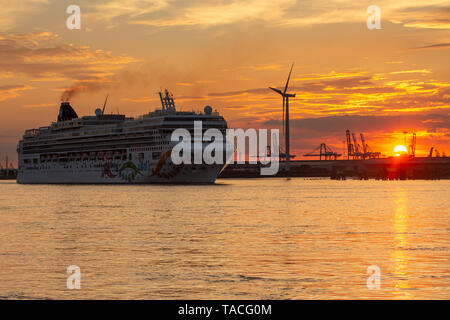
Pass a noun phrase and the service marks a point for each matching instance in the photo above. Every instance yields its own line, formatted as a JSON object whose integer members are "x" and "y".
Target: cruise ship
{"x": 115, "y": 149}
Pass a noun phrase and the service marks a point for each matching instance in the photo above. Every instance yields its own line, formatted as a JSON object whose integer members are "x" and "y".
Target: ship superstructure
{"x": 113, "y": 148}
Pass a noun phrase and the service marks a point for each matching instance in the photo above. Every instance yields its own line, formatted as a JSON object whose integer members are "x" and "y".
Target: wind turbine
{"x": 286, "y": 97}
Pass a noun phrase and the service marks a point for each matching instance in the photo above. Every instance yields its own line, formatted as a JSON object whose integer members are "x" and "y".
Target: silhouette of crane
{"x": 355, "y": 150}
{"x": 323, "y": 151}
{"x": 412, "y": 146}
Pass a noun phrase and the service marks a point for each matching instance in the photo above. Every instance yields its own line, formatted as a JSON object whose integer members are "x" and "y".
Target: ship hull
{"x": 126, "y": 174}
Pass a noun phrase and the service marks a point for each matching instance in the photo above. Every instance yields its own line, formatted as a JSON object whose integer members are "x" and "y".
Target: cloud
{"x": 363, "y": 95}
{"x": 368, "y": 123}
{"x": 188, "y": 13}
{"x": 435, "y": 15}
{"x": 12, "y": 13}
{"x": 434, "y": 46}
{"x": 307, "y": 133}
{"x": 288, "y": 13}
{"x": 423, "y": 71}
{"x": 39, "y": 105}
{"x": 331, "y": 75}
{"x": 129, "y": 10}
{"x": 41, "y": 58}
{"x": 382, "y": 132}
{"x": 12, "y": 91}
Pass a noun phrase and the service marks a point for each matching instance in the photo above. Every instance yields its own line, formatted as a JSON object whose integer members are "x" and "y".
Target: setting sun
{"x": 400, "y": 149}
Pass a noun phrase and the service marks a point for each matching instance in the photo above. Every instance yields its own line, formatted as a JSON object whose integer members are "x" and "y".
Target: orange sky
{"x": 225, "y": 54}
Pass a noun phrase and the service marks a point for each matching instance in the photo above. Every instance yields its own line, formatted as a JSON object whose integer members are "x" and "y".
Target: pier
{"x": 8, "y": 172}
{"x": 392, "y": 168}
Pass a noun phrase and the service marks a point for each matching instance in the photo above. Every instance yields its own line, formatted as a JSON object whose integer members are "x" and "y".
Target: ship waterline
{"x": 123, "y": 173}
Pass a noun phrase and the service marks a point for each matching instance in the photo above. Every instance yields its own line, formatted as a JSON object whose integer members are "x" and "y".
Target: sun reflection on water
{"x": 243, "y": 238}
{"x": 399, "y": 257}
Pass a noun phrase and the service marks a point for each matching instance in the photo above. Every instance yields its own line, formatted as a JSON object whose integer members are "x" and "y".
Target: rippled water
{"x": 238, "y": 239}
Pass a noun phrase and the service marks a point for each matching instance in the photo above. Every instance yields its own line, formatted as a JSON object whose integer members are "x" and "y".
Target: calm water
{"x": 239, "y": 239}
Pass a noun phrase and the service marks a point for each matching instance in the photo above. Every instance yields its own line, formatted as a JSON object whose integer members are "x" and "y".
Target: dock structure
{"x": 8, "y": 172}
{"x": 392, "y": 168}
{"x": 324, "y": 152}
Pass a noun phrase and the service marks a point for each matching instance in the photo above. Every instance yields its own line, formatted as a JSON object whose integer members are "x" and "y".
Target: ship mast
{"x": 167, "y": 102}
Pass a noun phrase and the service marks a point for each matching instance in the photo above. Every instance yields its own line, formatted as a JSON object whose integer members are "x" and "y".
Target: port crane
{"x": 364, "y": 146}
{"x": 281, "y": 153}
{"x": 437, "y": 154}
{"x": 350, "y": 148}
{"x": 412, "y": 146}
{"x": 357, "y": 152}
{"x": 323, "y": 151}
{"x": 368, "y": 153}
{"x": 9, "y": 167}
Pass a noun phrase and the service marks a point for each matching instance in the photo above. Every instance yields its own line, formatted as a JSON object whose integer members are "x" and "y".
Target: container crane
{"x": 368, "y": 153}
{"x": 357, "y": 151}
{"x": 437, "y": 153}
{"x": 412, "y": 146}
{"x": 365, "y": 146}
{"x": 350, "y": 147}
{"x": 323, "y": 151}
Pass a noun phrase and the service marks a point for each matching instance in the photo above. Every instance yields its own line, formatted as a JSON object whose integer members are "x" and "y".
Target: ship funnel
{"x": 66, "y": 112}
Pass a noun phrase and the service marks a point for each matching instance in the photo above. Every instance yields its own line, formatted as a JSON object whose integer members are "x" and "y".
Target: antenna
{"x": 167, "y": 101}
{"x": 162, "y": 100}
{"x": 104, "y": 105}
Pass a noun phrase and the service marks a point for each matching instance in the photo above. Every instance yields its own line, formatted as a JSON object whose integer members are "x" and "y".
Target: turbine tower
{"x": 286, "y": 97}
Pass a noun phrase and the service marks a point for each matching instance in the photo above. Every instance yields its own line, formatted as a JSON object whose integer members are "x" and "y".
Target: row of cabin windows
{"x": 62, "y": 148}
{"x": 140, "y": 157}
{"x": 93, "y": 139}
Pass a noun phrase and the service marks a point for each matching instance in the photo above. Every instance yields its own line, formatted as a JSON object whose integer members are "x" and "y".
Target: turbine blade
{"x": 289, "y": 77}
{"x": 284, "y": 102}
{"x": 276, "y": 90}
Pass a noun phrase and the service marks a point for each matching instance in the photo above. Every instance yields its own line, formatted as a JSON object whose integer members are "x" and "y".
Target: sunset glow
{"x": 225, "y": 158}
{"x": 400, "y": 149}
{"x": 226, "y": 54}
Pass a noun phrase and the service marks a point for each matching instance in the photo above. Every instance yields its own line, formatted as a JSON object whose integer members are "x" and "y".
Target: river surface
{"x": 238, "y": 239}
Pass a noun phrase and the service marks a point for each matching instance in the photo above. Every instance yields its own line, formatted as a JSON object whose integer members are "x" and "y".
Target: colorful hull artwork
{"x": 129, "y": 170}
{"x": 126, "y": 172}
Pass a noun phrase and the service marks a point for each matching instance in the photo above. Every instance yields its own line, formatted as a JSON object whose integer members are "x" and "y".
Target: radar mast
{"x": 167, "y": 102}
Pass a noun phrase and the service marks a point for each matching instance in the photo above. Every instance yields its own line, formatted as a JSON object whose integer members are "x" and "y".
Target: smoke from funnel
{"x": 143, "y": 77}
{"x": 86, "y": 86}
